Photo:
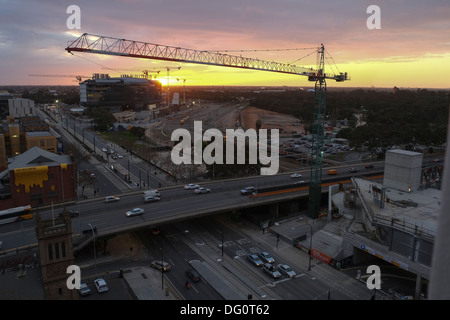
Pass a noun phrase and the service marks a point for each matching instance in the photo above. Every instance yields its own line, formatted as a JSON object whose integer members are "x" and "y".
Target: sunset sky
{"x": 412, "y": 48}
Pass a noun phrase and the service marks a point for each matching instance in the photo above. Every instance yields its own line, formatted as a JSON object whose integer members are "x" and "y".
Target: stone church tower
{"x": 56, "y": 254}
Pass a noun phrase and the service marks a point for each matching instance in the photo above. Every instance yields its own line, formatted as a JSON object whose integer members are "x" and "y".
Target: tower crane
{"x": 79, "y": 78}
{"x": 89, "y": 43}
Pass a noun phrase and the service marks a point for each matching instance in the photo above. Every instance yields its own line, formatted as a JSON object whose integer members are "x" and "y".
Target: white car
{"x": 134, "y": 212}
{"x": 191, "y": 186}
{"x": 104, "y": 150}
{"x": 202, "y": 190}
{"x": 151, "y": 198}
{"x": 111, "y": 199}
{"x": 296, "y": 175}
{"x": 101, "y": 285}
{"x": 286, "y": 270}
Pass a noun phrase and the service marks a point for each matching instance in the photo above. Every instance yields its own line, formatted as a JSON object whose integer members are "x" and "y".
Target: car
{"x": 111, "y": 199}
{"x": 368, "y": 166}
{"x": 266, "y": 257}
{"x": 104, "y": 150}
{"x": 151, "y": 199}
{"x": 286, "y": 270}
{"x": 87, "y": 171}
{"x": 191, "y": 186}
{"x": 272, "y": 270}
{"x": 72, "y": 213}
{"x": 296, "y": 175}
{"x": 193, "y": 275}
{"x": 202, "y": 190}
{"x": 253, "y": 258}
{"x": 248, "y": 190}
{"x": 119, "y": 156}
{"x": 101, "y": 285}
{"x": 332, "y": 172}
{"x": 84, "y": 289}
{"x": 353, "y": 170}
{"x": 92, "y": 176}
{"x": 161, "y": 265}
{"x": 134, "y": 212}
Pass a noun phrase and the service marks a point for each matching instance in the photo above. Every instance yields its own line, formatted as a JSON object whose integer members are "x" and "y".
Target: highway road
{"x": 176, "y": 203}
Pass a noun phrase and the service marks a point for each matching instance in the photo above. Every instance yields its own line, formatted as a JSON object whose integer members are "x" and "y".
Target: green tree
{"x": 102, "y": 118}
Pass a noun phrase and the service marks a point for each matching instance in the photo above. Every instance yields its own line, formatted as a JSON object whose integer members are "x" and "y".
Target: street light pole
{"x": 162, "y": 269}
{"x": 310, "y": 248}
{"x": 95, "y": 254}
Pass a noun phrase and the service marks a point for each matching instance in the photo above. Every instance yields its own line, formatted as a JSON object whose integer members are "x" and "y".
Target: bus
{"x": 15, "y": 214}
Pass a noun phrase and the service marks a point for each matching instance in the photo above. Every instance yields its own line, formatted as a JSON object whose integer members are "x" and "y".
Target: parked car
{"x": 101, "y": 285}
{"x": 272, "y": 270}
{"x": 296, "y": 175}
{"x": 248, "y": 190}
{"x": 286, "y": 270}
{"x": 111, "y": 199}
{"x": 134, "y": 212}
{"x": 151, "y": 199}
{"x": 84, "y": 289}
{"x": 202, "y": 190}
{"x": 193, "y": 275}
{"x": 191, "y": 186}
{"x": 161, "y": 265}
{"x": 266, "y": 257}
{"x": 253, "y": 258}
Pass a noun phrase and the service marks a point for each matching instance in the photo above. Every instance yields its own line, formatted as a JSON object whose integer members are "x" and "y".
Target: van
{"x": 154, "y": 193}
{"x": 332, "y": 172}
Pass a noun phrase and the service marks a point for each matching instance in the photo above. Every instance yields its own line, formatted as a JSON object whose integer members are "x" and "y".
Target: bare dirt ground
{"x": 270, "y": 120}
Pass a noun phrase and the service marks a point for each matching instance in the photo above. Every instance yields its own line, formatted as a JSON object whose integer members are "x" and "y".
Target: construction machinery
{"x": 77, "y": 77}
{"x": 89, "y": 43}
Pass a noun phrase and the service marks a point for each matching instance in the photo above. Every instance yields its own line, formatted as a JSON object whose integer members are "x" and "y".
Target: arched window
{"x": 50, "y": 252}
{"x": 56, "y": 250}
{"x": 63, "y": 249}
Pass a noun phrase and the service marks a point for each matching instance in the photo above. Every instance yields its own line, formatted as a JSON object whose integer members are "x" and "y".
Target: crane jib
{"x": 127, "y": 48}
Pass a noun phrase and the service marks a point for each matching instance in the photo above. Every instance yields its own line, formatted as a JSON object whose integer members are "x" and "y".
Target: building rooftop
{"x": 38, "y": 134}
{"x": 36, "y": 156}
{"x": 416, "y": 209}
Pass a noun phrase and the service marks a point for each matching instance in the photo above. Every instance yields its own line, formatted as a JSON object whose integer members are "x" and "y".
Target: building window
{"x": 56, "y": 250}
{"x": 42, "y": 143}
{"x": 50, "y": 252}
{"x": 63, "y": 249}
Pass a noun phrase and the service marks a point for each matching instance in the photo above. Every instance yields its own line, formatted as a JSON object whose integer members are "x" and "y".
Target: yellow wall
{"x": 31, "y": 176}
{"x": 49, "y": 143}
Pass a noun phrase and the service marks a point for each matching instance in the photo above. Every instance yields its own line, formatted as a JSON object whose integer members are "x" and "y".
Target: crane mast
{"x": 318, "y": 132}
{"x": 135, "y": 49}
